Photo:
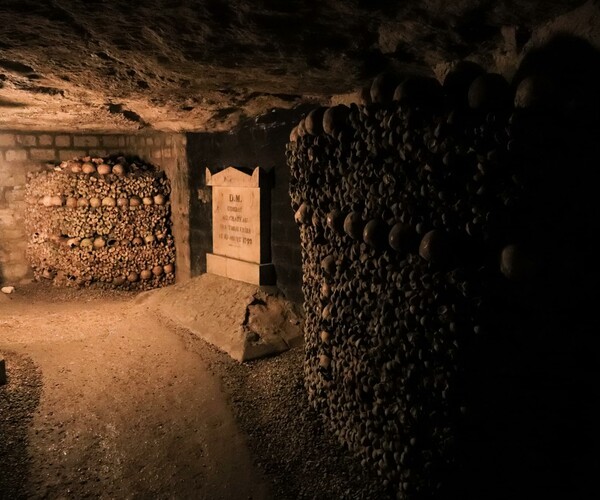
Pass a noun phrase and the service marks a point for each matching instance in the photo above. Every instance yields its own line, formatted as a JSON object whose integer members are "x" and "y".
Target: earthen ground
{"x": 104, "y": 400}
{"x": 125, "y": 409}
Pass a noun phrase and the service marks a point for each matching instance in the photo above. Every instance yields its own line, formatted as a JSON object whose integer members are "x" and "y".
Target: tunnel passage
{"x": 448, "y": 273}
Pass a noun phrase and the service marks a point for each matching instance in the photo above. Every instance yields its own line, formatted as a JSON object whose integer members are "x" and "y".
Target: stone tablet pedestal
{"x": 241, "y": 227}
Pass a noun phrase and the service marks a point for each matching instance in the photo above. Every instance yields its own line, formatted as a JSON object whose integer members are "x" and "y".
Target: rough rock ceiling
{"x": 207, "y": 64}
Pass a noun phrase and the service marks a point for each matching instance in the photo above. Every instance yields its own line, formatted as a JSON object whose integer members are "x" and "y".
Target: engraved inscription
{"x": 236, "y": 220}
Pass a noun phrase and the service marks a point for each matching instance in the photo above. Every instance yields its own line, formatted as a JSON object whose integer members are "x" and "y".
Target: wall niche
{"x": 100, "y": 221}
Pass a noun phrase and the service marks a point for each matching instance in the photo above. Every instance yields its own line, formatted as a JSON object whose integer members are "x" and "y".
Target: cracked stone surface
{"x": 243, "y": 320}
{"x": 186, "y": 65}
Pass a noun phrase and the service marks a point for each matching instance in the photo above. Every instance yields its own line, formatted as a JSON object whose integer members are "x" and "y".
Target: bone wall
{"x": 449, "y": 272}
{"x": 21, "y": 153}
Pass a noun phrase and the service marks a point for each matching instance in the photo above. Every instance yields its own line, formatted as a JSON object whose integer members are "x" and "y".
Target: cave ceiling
{"x": 184, "y": 65}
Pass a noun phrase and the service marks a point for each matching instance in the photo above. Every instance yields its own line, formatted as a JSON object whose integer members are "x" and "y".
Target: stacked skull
{"x": 411, "y": 219}
{"x": 100, "y": 221}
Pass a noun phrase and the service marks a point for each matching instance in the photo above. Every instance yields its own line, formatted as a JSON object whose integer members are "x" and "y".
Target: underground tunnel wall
{"x": 246, "y": 147}
{"x": 449, "y": 277}
{"x": 22, "y": 152}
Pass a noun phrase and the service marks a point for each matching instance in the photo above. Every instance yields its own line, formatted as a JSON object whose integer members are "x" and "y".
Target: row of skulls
{"x": 417, "y": 210}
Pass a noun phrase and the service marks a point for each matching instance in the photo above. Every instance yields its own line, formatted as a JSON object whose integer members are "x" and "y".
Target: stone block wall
{"x": 21, "y": 153}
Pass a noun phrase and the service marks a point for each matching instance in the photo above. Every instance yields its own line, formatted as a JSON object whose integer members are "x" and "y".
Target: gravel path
{"x": 286, "y": 437}
{"x": 132, "y": 408}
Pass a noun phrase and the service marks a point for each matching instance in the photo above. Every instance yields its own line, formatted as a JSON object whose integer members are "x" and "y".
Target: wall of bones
{"x": 100, "y": 220}
{"x": 446, "y": 245}
{"x": 44, "y": 210}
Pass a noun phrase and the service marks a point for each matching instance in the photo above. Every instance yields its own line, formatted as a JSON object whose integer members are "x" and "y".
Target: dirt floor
{"x": 104, "y": 400}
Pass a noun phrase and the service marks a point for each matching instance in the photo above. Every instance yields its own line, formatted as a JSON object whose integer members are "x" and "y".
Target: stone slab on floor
{"x": 244, "y": 320}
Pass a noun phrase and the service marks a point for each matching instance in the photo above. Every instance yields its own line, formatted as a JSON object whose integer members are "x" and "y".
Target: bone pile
{"x": 421, "y": 215}
{"x": 102, "y": 222}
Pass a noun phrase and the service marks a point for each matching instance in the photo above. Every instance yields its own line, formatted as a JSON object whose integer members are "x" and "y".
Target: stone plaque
{"x": 236, "y": 220}
{"x": 241, "y": 226}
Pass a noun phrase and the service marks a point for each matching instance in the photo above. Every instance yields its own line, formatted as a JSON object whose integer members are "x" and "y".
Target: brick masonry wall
{"x": 247, "y": 147}
{"x": 21, "y": 153}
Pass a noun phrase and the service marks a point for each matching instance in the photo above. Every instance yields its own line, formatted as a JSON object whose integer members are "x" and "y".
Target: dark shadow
{"x": 570, "y": 65}
{"x": 4, "y": 103}
{"x": 19, "y": 398}
{"x": 534, "y": 380}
